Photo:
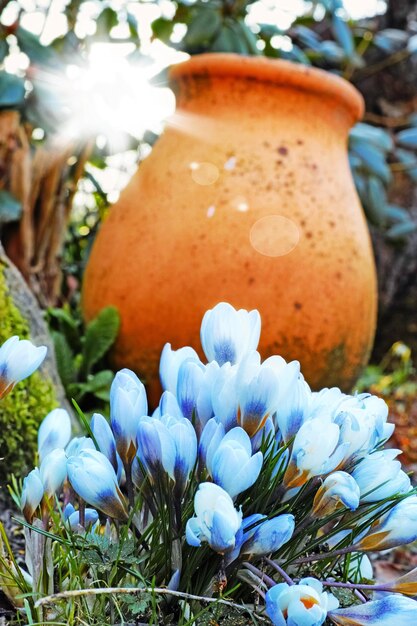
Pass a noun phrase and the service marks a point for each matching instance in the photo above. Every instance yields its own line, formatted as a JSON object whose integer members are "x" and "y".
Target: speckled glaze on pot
{"x": 247, "y": 197}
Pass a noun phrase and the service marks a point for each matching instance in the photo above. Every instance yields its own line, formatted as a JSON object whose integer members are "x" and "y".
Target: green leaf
{"x": 162, "y": 29}
{"x": 99, "y": 337}
{"x": 37, "y": 53}
{"x": 107, "y": 20}
{"x": 343, "y": 35}
{"x": 379, "y": 137}
{"x": 12, "y": 90}
{"x": 10, "y": 208}
{"x": 377, "y": 200}
{"x": 249, "y": 37}
{"x": 64, "y": 359}
{"x": 373, "y": 160}
{"x": 206, "y": 23}
{"x": 97, "y": 384}
{"x": 4, "y": 49}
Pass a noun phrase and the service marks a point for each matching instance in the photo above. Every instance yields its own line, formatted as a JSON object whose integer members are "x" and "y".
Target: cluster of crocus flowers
{"x": 245, "y": 462}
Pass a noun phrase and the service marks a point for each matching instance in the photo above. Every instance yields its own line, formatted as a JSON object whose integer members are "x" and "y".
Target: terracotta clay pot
{"x": 247, "y": 198}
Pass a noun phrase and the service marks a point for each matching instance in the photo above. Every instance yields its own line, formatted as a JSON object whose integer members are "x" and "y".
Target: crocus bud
{"x": 232, "y": 466}
{"x": 304, "y": 604}
{"x": 53, "y": 471}
{"x": 216, "y": 520}
{"x": 227, "y": 334}
{"x": 339, "y": 490}
{"x": 73, "y": 517}
{"x": 128, "y": 404}
{"x": 170, "y": 363}
{"x": 210, "y": 439}
{"x": 194, "y": 390}
{"x": 397, "y": 527}
{"x": 54, "y": 432}
{"x": 155, "y": 448}
{"x": 379, "y": 476}
{"x": 32, "y": 494}
{"x": 269, "y": 535}
{"x": 185, "y": 440}
{"x": 19, "y": 358}
{"x": 93, "y": 478}
{"x": 104, "y": 437}
{"x": 393, "y": 610}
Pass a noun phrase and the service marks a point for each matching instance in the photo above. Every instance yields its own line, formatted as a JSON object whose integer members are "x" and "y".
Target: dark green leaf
{"x": 162, "y": 29}
{"x": 343, "y": 34}
{"x": 10, "y": 207}
{"x": 377, "y": 200}
{"x": 105, "y": 22}
{"x": 37, "y": 53}
{"x": 248, "y": 36}
{"x": 4, "y": 49}
{"x": 99, "y": 337}
{"x": 97, "y": 383}
{"x": 12, "y": 90}
{"x": 397, "y": 213}
{"x": 206, "y": 23}
{"x": 64, "y": 359}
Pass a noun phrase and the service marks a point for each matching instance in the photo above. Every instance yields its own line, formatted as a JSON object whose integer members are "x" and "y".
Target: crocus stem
{"x": 81, "y": 510}
{"x": 129, "y": 484}
{"x": 264, "y": 577}
{"x": 280, "y": 571}
{"x": 363, "y": 587}
{"x": 326, "y": 555}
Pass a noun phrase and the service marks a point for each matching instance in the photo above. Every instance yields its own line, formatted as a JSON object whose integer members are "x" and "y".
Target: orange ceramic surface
{"x": 247, "y": 197}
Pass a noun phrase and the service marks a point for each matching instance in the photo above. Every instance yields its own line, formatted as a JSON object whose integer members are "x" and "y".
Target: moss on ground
{"x": 24, "y": 408}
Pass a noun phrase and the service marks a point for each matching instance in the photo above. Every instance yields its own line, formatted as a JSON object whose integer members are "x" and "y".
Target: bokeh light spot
{"x": 274, "y": 235}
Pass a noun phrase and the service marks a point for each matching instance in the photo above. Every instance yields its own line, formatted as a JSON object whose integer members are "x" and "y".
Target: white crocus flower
{"x": 19, "y": 358}
{"x": 227, "y": 334}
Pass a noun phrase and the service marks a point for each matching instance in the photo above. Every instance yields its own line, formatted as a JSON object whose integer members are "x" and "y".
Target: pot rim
{"x": 277, "y": 71}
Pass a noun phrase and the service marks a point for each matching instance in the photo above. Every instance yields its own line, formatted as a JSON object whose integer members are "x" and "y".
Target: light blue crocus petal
{"x": 128, "y": 403}
{"x": 210, "y": 439}
{"x": 18, "y": 360}
{"x": 393, "y": 610}
{"x": 264, "y": 436}
{"x": 104, "y": 437}
{"x": 185, "y": 439}
{"x": 93, "y": 478}
{"x": 170, "y": 363}
{"x": 222, "y": 537}
{"x": 69, "y": 510}
{"x": 32, "y": 494}
{"x": 190, "y": 381}
{"x": 53, "y": 471}
{"x": 91, "y": 516}
{"x": 232, "y": 466}
{"x": 155, "y": 447}
{"x": 168, "y": 405}
{"x": 192, "y": 533}
{"x": 270, "y": 535}
{"x": 54, "y": 432}
{"x": 224, "y": 397}
{"x": 272, "y": 608}
{"x": 78, "y": 444}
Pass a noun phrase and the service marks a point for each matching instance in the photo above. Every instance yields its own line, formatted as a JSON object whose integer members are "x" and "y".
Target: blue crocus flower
{"x": 77, "y": 444}
{"x": 227, "y": 334}
{"x": 104, "y": 436}
{"x": 379, "y": 476}
{"x": 395, "y": 528}
{"x": 54, "y": 432}
{"x": 393, "y": 610}
{"x": 232, "y": 465}
{"x": 19, "y": 358}
{"x": 93, "y": 478}
{"x": 168, "y": 405}
{"x": 185, "y": 440}
{"x": 53, "y": 471}
{"x": 216, "y": 520}
{"x": 257, "y": 392}
{"x": 170, "y": 364}
{"x": 32, "y": 494}
{"x": 128, "y": 403}
{"x": 338, "y": 491}
{"x": 194, "y": 390}
{"x": 304, "y": 604}
{"x": 268, "y": 536}
{"x": 73, "y": 517}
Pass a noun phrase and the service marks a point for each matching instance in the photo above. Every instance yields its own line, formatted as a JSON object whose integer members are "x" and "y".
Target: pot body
{"x": 247, "y": 197}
